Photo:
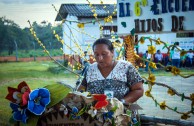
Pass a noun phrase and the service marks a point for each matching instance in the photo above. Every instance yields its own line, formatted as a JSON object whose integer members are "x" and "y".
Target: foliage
{"x": 11, "y": 33}
{"x": 55, "y": 69}
{"x": 32, "y": 53}
{"x": 65, "y": 63}
{"x": 44, "y": 33}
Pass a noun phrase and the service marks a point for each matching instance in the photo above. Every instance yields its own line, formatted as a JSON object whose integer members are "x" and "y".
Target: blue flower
{"x": 108, "y": 115}
{"x": 38, "y": 100}
{"x": 74, "y": 113}
{"x": 19, "y": 114}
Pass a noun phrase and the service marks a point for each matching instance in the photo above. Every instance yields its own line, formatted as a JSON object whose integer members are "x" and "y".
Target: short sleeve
{"x": 84, "y": 82}
{"x": 84, "y": 73}
{"x": 133, "y": 76}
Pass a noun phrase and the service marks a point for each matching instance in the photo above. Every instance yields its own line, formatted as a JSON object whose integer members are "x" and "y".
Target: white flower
{"x": 92, "y": 112}
{"x": 62, "y": 107}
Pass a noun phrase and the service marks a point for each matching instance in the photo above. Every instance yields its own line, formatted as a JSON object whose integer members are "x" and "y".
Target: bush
{"x": 55, "y": 69}
{"x": 65, "y": 63}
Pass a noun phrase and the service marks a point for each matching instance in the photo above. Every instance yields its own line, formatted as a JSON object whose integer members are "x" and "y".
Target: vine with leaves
{"x": 151, "y": 80}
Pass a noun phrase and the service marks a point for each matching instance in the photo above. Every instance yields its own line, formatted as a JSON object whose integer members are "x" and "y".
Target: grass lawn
{"x": 36, "y": 75}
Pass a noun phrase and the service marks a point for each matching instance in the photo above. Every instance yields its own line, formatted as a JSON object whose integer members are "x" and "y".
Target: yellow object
{"x": 137, "y": 9}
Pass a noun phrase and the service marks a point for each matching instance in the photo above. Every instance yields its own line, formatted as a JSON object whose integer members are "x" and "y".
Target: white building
{"x": 169, "y": 20}
{"x": 72, "y": 14}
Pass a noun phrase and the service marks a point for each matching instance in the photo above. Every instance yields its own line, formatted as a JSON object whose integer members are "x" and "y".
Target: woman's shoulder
{"x": 92, "y": 66}
{"x": 123, "y": 63}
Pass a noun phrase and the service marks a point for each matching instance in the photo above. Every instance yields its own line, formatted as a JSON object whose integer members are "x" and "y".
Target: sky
{"x": 20, "y": 11}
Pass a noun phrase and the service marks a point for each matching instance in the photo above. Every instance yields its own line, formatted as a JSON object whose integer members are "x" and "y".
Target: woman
{"x": 117, "y": 78}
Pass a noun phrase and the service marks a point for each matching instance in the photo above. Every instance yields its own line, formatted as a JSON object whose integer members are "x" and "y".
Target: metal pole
{"x": 16, "y": 49}
{"x": 34, "y": 50}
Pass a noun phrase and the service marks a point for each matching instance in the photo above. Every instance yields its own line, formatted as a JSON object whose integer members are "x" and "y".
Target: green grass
{"x": 32, "y": 53}
{"x": 35, "y": 74}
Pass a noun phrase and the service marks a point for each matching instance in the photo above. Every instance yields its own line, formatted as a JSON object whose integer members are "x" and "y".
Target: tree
{"x": 45, "y": 34}
{"x": 10, "y": 32}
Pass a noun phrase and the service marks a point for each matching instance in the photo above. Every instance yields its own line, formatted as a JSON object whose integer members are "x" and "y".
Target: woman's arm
{"x": 136, "y": 91}
{"x": 83, "y": 85}
{"x": 81, "y": 88}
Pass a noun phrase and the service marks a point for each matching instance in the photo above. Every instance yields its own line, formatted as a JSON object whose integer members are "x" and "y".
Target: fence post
{"x": 34, "y": 50}
{"x": 16, "y": 49}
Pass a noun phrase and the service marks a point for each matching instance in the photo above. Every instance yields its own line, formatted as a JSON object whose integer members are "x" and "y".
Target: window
{"x": 107, "y": 30}
{"x": 185, "y": 35}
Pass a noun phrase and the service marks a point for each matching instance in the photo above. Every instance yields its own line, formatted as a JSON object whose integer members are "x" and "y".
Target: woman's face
{"x": 103, "y": 55}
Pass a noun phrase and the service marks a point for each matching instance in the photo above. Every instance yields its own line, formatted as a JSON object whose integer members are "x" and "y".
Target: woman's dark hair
{"x": 104, "y": 41}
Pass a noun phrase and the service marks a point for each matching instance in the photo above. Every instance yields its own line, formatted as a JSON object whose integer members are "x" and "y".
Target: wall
{"x": 82, "y": 39}
{"x": 165, "y": 34}
{"x": 13, "y": 59}
{"x": 144, "y": 13}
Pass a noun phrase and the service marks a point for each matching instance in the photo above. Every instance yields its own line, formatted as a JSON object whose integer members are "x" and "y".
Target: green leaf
{"x": 93, "y": 21}
{"x": 113, "y": 122}
{"x": 124, "y": 24}
{"x": 175, "y": 109}
{"x": 84, "y": 109}
{"x": 146, "y": 38}
{"x": 165, "y": 46}
{"x": 182, "y": 97}
{"x": 137, "y": 46}
{"x": 132, "y": 31}
{"x": 58, "y": 92}
{"x": 145, "y": 82}
{"x": 193, "y": 110}
{"x": 114, "y": 108}
{"x": 156, "y": 103}
{"x": 128, "y": 112}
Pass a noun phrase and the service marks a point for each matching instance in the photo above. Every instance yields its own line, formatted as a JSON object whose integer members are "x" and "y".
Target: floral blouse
{"x": 119, "y": 80}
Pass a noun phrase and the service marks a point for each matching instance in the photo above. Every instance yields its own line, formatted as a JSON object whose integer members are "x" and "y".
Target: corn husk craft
{"x": 58, "y": 105}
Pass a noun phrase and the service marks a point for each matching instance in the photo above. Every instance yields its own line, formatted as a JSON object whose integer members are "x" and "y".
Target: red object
{"x": 101, "y": 104}
{"x": 22, "y": 88}
{"x": 99, "y": 97}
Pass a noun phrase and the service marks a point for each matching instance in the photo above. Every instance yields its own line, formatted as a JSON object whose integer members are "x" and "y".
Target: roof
{"x": 84, "y": 10}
